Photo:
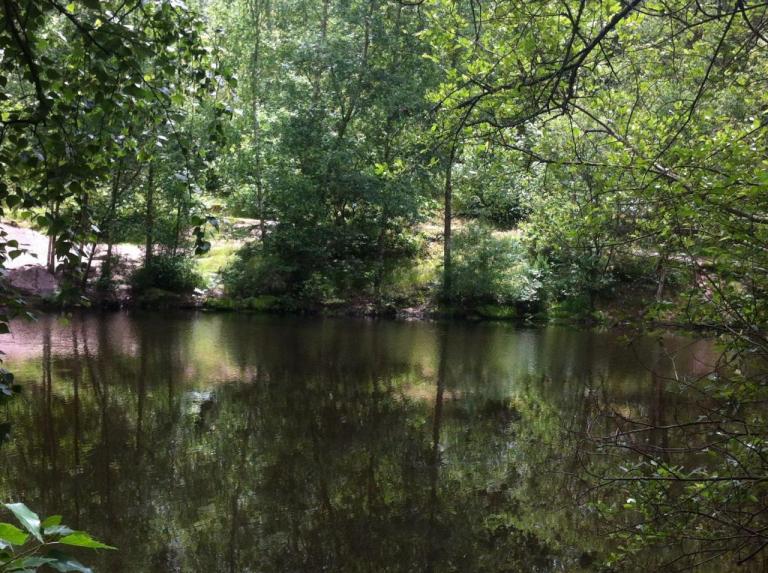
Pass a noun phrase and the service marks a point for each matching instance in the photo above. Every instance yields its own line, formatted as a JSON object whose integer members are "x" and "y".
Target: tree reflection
{"x": 348, "y": 446}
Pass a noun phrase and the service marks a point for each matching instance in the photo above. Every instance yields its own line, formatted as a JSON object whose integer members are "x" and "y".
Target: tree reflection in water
{"x": 236, "y": 443}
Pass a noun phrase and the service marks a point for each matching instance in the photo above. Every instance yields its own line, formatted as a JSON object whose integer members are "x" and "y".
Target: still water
{"x": 204, "y": 443}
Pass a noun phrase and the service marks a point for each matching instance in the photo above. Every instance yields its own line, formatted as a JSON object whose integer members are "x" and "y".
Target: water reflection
{"x": 244, "y": 443}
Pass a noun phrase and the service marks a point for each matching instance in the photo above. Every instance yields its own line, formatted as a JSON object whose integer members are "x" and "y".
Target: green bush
{"x": 106, "y": 283}
{"x": 174, "y": 273}
{"x": 254, "y": 272}
{"x": 315, "y": 269}
{"x": 503, "y": 208}
{"x": 491, "y": 269}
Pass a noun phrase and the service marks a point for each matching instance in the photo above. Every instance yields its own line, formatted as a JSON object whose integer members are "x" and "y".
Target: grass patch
{"x": 221, "y": 254}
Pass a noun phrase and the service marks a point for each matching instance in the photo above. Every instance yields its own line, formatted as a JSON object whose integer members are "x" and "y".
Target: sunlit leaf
{"x": 82, "y": 539}
{"x": 12, "y": 534}
{"x": 27, "y": 518}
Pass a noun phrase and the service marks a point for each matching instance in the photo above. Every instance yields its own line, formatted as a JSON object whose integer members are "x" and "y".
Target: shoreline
{"x": 425, "y": 313}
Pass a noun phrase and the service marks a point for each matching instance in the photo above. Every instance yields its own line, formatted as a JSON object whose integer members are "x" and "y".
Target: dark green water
{"x": 205, "y": 443}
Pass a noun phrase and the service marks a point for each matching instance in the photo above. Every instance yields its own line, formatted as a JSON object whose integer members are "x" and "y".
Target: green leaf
{"x": 29, "y": 563}
{"x": 12, "y": 534}
{"x": 71, "y": 7}
{"x": 65, "y": 563}
{"x": 83, "y": 539}
{"x": 27, "y": 518}
{"x": 202, "y": 247}
{"x": 58, "y": 530}
{"x": 51, "y": 521}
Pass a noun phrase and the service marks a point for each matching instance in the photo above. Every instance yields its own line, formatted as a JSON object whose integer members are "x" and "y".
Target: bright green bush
{"x": 488, "y": 268}
{"x": 317, "y": 265}
{"x": 174, "y": 273}
{"x": 254, "y": 272}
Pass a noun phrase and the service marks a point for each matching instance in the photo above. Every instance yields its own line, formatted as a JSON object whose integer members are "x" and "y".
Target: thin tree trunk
{"x": 661, "y": 273}
{"x": 177, "y": 229}
{"x": 150, "y": 216}
{"x": 323, "y": 36}
{"x": 257, "y": 8}
{"x": 88, "y": 265}
{"x": 380, "y": 248}
{"x": 106, "y": 269}
{"x": 51, "y": 262}
{"x": 448, "y": 224}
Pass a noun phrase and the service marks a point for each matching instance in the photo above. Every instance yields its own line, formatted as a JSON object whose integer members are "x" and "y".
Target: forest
{"x": 588, "y": 163}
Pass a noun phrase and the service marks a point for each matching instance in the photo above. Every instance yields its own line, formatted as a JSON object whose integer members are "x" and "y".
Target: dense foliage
{"x": 325, "y": 141}
{"x": 491, "y": 269}
{"x": 647, "y": 119}
{"x": 174, "y": 273}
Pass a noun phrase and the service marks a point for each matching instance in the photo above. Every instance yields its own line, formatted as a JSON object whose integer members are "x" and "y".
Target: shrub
{"x": 255, "y": 272}
{"x": 318, "y": 268}
{"x": 174, "y": 273}
{"x": 107, "y": 283}
{"x": 503, "y": 208}
{"x": 488, "y": 268}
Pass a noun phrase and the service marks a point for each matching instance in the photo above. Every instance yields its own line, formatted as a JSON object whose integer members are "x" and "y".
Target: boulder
{"x": 33, "y": 280}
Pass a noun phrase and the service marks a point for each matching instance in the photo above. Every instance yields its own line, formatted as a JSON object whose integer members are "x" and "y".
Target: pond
{"x": 226, "y": 442}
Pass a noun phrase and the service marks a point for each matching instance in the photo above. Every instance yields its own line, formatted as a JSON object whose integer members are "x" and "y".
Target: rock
{"x": 33, "y": 280}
